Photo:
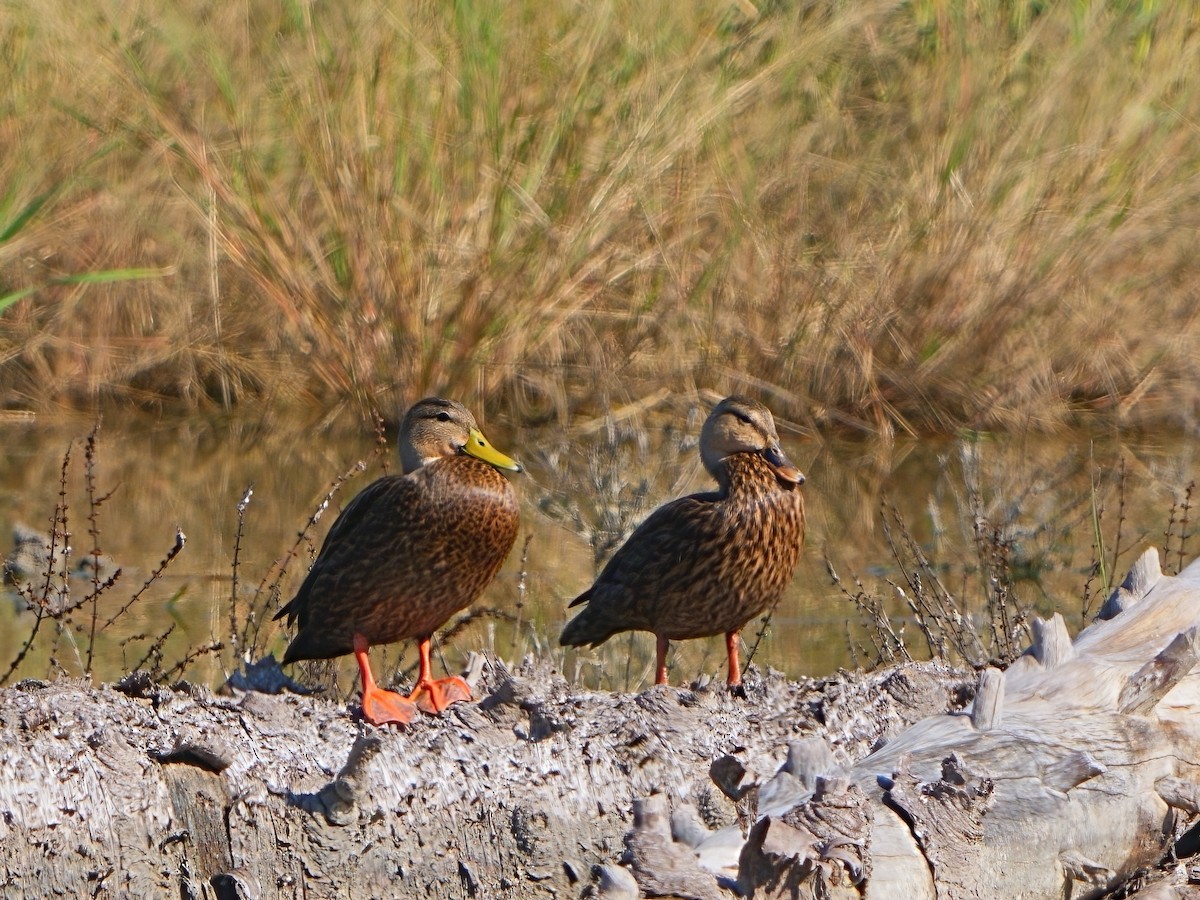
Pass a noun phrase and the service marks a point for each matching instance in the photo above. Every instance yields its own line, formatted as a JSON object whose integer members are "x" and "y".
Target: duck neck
{"x": 746, "y": 474}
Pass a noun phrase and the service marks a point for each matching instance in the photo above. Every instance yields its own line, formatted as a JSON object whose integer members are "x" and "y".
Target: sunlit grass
{"x": 886, "y": 217}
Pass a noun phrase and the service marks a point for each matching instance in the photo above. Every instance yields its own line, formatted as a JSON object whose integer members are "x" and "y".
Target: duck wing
{"x": 661, "y": 557}
{"x": 353, "y": 532}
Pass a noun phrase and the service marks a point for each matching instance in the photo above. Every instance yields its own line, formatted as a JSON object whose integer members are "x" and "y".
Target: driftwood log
{"x": 1069, "y": 772}
{"x": 142, "y": 791}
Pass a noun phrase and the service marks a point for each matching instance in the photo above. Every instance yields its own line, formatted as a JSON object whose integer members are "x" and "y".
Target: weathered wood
{"x": 1142, "y": 576}
{"x": 662, "y": 866}
{"x": 989, "y": 698}
{"x": 1180, "y": 794}
{"x": 1149, "y": 684}
{"x": 1072, "y": 770}
{"x": 152, "y": 792}
{"x": 1051, "y": 642}
{"x": 808, "y": 760}
{"x": 1062, "y": 780}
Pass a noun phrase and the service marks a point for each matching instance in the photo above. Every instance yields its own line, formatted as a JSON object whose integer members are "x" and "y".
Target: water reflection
{"x": 1050, "y": 498}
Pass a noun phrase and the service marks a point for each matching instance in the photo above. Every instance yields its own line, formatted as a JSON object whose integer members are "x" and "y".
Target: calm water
{"x": 583, "y": 491}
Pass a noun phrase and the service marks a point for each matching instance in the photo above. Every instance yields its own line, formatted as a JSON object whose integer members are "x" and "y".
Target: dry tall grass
{"x": 888, "y": 217}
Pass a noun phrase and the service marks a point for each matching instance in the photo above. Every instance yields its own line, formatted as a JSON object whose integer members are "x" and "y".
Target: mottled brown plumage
{"x": 708, "y": 563}
{"x": 411, "y": 550}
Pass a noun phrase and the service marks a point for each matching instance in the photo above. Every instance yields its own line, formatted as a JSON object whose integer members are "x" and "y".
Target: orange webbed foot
{"x": 434, "y": 696}
{"x": 382, "y": 707}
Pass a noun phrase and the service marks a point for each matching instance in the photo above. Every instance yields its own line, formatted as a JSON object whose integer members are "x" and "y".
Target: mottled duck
{"x": 708, "y": 563}
{"x": 407, "y": 553}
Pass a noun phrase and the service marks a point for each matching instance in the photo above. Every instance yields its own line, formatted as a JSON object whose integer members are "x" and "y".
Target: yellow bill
{"x": 478, "y": 447}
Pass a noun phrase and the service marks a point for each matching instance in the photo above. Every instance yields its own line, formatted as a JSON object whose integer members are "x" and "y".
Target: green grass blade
{"x": 8, "y": 300}
{"x": 103, "y": 277}
{"x": 109, "y": 275}
{"x": 31, "y": 209}
{"x": 1098, "y": 538}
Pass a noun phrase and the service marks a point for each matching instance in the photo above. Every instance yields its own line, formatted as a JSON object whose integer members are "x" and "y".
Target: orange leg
{"x": 434, "y": 696}
{"x": 660, "y": 671}
{"x": 731, "y": 647}
{"x": 379, "y": 707}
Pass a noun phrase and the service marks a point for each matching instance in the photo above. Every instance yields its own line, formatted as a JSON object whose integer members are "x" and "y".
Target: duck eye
{"x": 443, "y": 417}
{"x": 743, "y": 418}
